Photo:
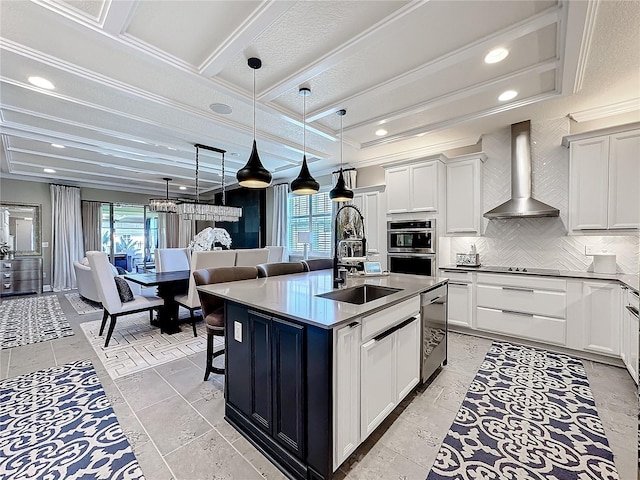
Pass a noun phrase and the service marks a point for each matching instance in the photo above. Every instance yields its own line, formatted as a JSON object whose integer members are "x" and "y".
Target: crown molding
{"x": 606, "y": 111}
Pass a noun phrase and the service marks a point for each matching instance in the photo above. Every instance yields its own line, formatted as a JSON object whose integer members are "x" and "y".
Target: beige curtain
{"x": 66, "y": 235}
{"x": 186, "y": 232}
{"x": 168, "y": 230}
{"x": 91, "y": 225}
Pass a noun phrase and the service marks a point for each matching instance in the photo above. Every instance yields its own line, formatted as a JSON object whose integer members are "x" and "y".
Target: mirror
{"x": 20, "y": 227}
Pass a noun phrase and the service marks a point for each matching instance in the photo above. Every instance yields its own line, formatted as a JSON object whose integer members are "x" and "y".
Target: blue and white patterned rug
{"x": 57, "y": 423}
{"x": 32, "y": 320}
{"x": 529, "y": 414}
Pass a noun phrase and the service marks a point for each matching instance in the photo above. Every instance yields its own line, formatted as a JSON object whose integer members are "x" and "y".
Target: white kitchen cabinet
{"x": 601, "y": 317}
{"x": 460, "y": 301}
{"x": 603, "y": 174}
{"x": 522, "y": 306}
{"x": 378, "y": 395}
{"x": 464, "y": 194}
{"x": 346, "y": 400}
{"x": 390, "y": 368}
{"x": 367, "y": 200}
{"x": 415, "y": 187}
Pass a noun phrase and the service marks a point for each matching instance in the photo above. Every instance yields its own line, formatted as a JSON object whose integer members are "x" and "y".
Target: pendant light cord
{"x": 254, "y": 104}
{"x": 197, "y": 195}
{"x": 167, "y": 189}
{"x": 223, "y": 191}
{"x": 304, "y": 125}
{"x": 341, "y": 139}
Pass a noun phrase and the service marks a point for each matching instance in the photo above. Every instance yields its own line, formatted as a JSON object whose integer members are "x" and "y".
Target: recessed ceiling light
{"x": 182, "y": 188}
{"x": 234, "y": 154}
{"x": 41, "y": 82}
{"x": 381, "y": 132}
{"x": 49, "y": 170}
{"x": 496, "y": 55}
{"x": 508, "y": 95}
{"x": 57, "y": 145}
{"x": 171, "y": 148}
{"x": 220, "y": 108}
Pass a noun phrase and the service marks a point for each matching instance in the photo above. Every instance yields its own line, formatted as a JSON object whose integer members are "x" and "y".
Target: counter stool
{"x": 213, "y": 307}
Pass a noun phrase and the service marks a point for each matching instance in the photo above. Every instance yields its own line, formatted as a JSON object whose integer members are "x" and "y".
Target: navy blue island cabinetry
{"x": 278, "y": 389}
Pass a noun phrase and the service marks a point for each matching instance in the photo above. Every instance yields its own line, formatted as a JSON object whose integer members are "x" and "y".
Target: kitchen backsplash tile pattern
{"x": 537, "y": 242}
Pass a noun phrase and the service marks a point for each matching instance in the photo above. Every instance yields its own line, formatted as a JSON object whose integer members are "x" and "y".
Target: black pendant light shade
{"x": 340, "y": 193}
{"x": 305, "y": 184}
{"x": 253, "y": 174}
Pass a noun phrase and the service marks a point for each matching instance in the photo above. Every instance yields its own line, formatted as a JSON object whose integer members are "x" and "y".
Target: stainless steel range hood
{"x": 521, "y": 205}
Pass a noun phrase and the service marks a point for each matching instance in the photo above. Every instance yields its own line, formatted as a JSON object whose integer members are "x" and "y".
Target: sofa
{"x": 87, "y": 287}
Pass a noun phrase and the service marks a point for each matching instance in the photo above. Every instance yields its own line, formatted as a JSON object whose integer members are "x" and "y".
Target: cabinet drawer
{"x": 378, "y": 322}
{"x": 21, "y": 264}
{"x": 457, "y": 275}
{"x": 521, "y": 299}
{"x": 19, "y": 275}
{"x": 533, "y": 327}
{"x": 525, "y": 281}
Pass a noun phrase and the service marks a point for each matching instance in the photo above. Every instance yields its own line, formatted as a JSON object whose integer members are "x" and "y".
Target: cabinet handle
{"x": 353, "y": 324}
{"x": 7, "y": 285}
{"x": 394, "y": 329}
{"x": 518, "y": 289}
{"x": 7, "y": 275}
{"x": 458, "y": 283}
{"x": 433, "y": 300}
{"x": 633, "y": 310}
{"x": 7, "y": 265}
{"x": 513, "y": 312}
{"x": 634, "y": 293}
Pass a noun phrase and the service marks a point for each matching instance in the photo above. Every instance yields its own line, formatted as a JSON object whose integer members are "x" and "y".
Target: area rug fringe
{"x": 529, "y": 414}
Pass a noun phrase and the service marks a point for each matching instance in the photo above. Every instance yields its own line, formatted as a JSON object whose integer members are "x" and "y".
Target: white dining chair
{"x": 276, "y": 253}
{"x": 108, "y": 292}
{"x": 250, "y": 257}
{"x": 172, "y": 259}
{"x": 200, "y": 260}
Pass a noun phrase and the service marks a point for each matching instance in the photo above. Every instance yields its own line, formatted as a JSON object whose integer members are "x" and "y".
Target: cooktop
{"x": 514, "y": 269}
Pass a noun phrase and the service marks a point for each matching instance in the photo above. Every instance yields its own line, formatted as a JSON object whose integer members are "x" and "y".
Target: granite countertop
{"x": 631, "y": 281}
{"x": 294, "y": 296}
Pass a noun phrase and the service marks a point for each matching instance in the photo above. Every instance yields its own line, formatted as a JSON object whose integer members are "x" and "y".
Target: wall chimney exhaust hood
{"x": 521, "y": 205}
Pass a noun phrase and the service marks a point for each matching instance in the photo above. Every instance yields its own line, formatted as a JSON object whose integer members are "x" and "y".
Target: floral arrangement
{"x": 206, "y": 239}
{"x": 4, "y": 248}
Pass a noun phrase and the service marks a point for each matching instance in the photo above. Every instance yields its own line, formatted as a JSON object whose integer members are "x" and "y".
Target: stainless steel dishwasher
{"x": 433, "y": 313}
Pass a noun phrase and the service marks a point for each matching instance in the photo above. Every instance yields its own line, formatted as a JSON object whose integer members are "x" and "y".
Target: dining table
{"x": 169, "y": 284}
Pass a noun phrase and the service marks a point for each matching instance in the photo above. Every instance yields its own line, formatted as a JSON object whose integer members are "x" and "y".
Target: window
{"x": 310, "y": 213}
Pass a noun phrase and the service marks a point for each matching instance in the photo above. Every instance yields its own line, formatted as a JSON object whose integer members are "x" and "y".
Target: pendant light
{"x": 163, "y": 205}
{"x": 340, "y": 193}
{"x": 253, "y": 174}
{"x": 305, "y": 184}
{"x": 206, "y": 211}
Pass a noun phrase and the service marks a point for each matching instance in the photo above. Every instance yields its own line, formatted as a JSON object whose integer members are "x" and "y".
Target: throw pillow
{"x": 85, "y": 261}
{"x": 124, "y": 290}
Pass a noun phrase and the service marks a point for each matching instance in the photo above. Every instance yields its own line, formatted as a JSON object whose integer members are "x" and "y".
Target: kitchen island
{"x": 308, "y": 378}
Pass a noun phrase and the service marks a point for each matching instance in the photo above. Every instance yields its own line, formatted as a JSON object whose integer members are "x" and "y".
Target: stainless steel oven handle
{"x": 411, "y": 255}
{"x": 434, "y": 299}
{"x": 410, "y": 230}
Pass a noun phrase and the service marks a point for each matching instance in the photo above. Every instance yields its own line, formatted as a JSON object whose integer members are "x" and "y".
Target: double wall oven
{"x": 411, "y": 246}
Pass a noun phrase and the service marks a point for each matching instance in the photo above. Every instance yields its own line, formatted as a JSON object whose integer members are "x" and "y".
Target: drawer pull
{"x": 434, "y": 299}
{"x": 633, "y": 310}
{"x": 513, "y": 312}
{"x": 7, "y": 265}
{"x": 7, "y": 275}
{"x": 519, "y": 289}
{"x": 353, "y": 324}
{"x": 457, "y": 283}
{"x": 7, "y": 285}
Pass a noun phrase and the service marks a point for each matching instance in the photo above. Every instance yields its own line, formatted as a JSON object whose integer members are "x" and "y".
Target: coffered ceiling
{"x": 134, "y": 81}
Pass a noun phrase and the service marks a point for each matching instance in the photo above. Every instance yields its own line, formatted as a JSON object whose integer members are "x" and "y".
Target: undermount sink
{"x": 360, "y": 294}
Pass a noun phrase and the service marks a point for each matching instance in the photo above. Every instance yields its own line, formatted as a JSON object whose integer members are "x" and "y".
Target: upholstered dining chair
{"x": 318, "y": 264}
{"x": 172, "y": 259}
{"x": 280, "y": 268}
{"x": 200, "y": 260}
{"x": 112, "y": 304}
{"x": 250, "y": 257}
{"x": 213, "y": 307}
{"x": 276, "y": 253}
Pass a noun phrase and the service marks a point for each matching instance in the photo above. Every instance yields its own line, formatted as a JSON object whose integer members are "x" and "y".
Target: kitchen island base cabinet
{"x": 276, "y": 389}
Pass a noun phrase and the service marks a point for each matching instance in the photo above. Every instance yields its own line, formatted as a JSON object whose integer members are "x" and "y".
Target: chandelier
{"x": 163, "y": 205}
{"x": 207, "y": 211}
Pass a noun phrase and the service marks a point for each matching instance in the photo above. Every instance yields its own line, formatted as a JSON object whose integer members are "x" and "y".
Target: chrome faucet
{"x": 336, "y": 245}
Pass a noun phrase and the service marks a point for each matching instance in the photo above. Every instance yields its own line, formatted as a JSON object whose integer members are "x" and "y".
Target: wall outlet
{"x": 45, "y": 244}
{"x": 237, "y": 331}
{"x": 590, "y": 250}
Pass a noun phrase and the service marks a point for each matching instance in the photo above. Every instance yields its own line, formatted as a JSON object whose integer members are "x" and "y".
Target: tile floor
{"x": 174, "y": 421}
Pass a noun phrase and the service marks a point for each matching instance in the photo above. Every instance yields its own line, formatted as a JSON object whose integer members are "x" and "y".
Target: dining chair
{"x": 112, "y": 305}
{"x": 276, "y": 253}
{"x": 213, "y": 307}
{"x": 318, "y": 264}
{"x": 172, "y": 259}
{"x": 250, "y": 257}
{"x": 200, "y": 260}
{"x": 280, "y": 268}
